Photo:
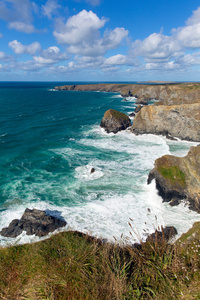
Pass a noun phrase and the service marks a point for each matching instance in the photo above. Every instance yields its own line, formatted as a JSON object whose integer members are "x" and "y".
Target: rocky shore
{"x": 168, "y": 94}
{"x": 175, "y": 114}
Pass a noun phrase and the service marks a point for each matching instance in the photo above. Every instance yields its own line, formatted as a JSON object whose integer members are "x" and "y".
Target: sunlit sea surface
{"x": 50, "y": 140}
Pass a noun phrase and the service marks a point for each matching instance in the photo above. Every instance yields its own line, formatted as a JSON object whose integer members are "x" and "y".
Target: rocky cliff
{"x": 179, "y": 178}
{"x": 182, "y": 121}
{"x": 167, "y": 94}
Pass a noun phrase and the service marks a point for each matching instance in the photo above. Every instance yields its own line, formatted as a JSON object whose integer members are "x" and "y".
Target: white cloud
{"x": 189, "y": 59}
{"x": 162, "y": 48}
{"x": 88, "y": 62}
{"x": 23, "y": 27}
{"x": 195, "y": 18}
{"x": 52, "y": 55}
{"x": 5, "y": 57}
{"x": 18, "y": 48}
{"x": 156, "y": 47}
{"x": 189, "y": 36}
{"x": 42, "y": 60}
{"x": 82, "y": 36}
{"x": 50, "y": 8}
{"x": 118, "y": 59}
{"x": 79, "y": 28}
{"x": 18, "y": 14}
{"x": 1, "y": 35}
{"x": 160, "y": 66}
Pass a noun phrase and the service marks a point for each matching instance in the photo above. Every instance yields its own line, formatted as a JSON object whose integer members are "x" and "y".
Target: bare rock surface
{"x": 33, "y": 221}
{"x": 114, "y": 121}
{"x": 178, "y": 178}
{"x": 181, "y": 121}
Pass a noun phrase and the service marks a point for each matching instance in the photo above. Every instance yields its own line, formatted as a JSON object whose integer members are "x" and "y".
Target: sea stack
{"x": 114, "y": 121}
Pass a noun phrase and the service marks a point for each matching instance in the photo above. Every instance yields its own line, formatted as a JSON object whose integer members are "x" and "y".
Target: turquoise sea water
{"x": 50, "y": 140}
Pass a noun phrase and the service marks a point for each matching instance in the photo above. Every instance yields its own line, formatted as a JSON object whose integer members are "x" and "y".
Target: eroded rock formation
{"x": 178, "y": 178}
{"x": 114, "y": 121}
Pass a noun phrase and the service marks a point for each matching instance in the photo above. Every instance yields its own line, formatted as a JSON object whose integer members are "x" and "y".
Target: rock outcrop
{"x": 138, "y": 108}
{"x": 33, "y": 221}
{"x": 182, "y": 121}
{"x": 114, "y": 121}
{"x": 193, "y": 235}
{"x": 165, "y": 234}
{"x": 178, "y": 178}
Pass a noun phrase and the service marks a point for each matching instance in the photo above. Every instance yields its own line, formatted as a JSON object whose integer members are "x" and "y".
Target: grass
{"x": 71, "y": 265}
{"x": 173, "y": 174}
{"x": 116, "y": 114}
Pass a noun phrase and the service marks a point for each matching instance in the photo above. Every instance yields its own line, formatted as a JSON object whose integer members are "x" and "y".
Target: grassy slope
{"x": 71, "y": 265}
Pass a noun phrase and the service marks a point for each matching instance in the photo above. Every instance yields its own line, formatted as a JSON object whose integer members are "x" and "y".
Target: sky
{"x": 99, "y": 40}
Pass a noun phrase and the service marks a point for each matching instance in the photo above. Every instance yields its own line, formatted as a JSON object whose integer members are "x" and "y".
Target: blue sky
{"x": 99, "y": 40}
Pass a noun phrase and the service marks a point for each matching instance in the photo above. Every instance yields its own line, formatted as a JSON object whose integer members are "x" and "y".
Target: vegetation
{"x": 71, "y": 265}
{"x": 116, "y": 114}
{"x": 173, "y": 174}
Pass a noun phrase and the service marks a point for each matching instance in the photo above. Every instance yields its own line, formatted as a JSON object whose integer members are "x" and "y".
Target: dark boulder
{"x": 164, "y": 235}
{"x": 114, "y": 121}
{"x": 138, "y": 108}
{"x": 33, "y": 221}
{"x": 132, "y": 114}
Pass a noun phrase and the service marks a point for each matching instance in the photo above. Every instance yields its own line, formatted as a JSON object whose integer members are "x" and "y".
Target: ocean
{"x": 50, "y": 140}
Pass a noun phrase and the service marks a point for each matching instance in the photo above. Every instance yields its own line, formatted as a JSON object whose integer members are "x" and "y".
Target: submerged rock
{"x": 33, "y": 221}
{"x": 178, "y": 178}
{"x": 114, "y": 121}
{"x": 181, "y": 121}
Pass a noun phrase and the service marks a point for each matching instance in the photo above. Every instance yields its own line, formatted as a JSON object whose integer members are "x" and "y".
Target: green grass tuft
{"x": 173, "y": 174}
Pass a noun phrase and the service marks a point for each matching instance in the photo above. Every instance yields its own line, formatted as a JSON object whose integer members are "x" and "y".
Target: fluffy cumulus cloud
{"x": 18, "y": 14}
{"x": 52, "y": 55}
{"x": 156, "y": 47}
{"x": 169, "y": 52}
{"x": 18, "y": 48}
{"x": 82, "y": 36}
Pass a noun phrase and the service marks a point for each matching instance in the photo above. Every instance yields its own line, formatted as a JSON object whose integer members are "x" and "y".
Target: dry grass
{"x": 72, "y": 265}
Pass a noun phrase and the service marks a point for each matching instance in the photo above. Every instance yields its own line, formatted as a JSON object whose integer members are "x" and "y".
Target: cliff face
{"x": 167, "y": 94}
{"x": 182, "y": 121}
{"x": 179, "y": 178}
